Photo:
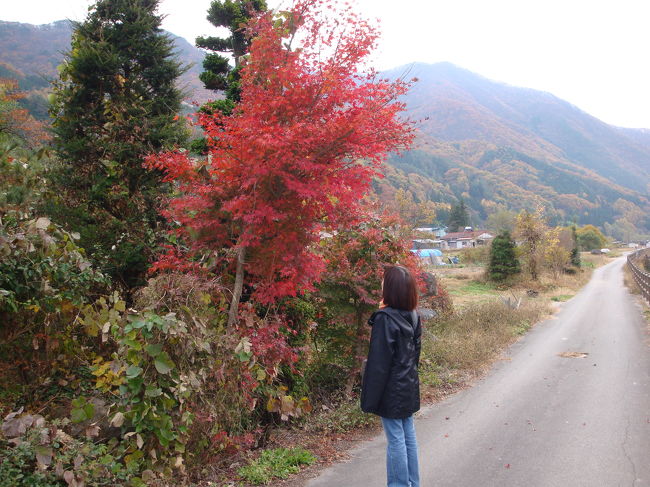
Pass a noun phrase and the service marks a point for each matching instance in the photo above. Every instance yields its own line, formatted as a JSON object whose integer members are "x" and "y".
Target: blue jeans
{"x": 401, "y": 453}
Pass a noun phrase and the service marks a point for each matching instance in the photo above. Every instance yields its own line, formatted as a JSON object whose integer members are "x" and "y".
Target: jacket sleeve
{"x": 380, "y": 358}
{"x": 418, "y": 340}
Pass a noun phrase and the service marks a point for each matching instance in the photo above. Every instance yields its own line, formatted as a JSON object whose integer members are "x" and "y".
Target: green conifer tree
{"x": 459, "y": 217}
{"x": 575, "y": 251}
{"x": 219, "y": 74}
{"x": 232, "y": 14}
{"x": 503, "y": 261}
{"x": 115, "y": 102}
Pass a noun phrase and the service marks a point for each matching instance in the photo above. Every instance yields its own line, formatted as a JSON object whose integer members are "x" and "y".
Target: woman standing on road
{"x": 391, "y": 387}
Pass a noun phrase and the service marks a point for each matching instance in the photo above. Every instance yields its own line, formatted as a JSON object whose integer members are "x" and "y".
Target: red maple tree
{"x": 297, "y": 154}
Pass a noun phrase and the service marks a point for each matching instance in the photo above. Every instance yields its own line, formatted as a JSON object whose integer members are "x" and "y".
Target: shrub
{"x": 159, "y": 364}
{"x": 44, "y": 279}
{"x": 40, "y": 454}
{"x": 475, "y": 255}
{"x": 42, "y": 268}
{"x": 350, "y": 289}
{"x": 184, "y": 388}
{"x": 575, "y": 251}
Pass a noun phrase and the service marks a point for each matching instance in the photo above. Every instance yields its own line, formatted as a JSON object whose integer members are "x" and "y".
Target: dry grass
{"x": 629, "y": 281}
{"x": 472, "y": 337}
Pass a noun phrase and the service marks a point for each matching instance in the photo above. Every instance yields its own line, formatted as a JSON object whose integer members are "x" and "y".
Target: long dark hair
{"x": 400, "y": 289}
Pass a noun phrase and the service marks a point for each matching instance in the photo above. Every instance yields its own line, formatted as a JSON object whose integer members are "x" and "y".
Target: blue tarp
{"x": 427, "y": 252}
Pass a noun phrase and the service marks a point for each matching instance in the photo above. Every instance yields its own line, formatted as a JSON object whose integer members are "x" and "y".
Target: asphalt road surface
{"x": 540, "y": 418}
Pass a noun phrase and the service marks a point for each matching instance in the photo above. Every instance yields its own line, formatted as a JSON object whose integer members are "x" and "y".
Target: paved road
{"x": 539, "y": 419}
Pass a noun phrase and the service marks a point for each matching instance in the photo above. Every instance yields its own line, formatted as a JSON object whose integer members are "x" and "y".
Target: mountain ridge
{"x": 549, "y": 125}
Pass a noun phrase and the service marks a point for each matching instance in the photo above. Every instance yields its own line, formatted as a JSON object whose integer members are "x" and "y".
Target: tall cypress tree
{"x": 503, "y": 261}
{"x": 115, "y": 102}
{"x": 219, "y": 74}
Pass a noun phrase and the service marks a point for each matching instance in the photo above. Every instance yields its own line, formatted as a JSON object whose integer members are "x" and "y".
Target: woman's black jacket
{"x": 391, "y": 387}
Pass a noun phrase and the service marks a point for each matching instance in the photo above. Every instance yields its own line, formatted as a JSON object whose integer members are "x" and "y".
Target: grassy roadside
{"x": 458, "y": 347}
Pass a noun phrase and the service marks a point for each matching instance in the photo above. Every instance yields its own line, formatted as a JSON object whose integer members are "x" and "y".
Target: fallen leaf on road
{"x": 573, "y": 354}
{"x": 507, "y": 465}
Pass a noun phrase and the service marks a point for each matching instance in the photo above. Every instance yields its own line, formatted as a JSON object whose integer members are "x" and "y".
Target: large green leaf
{"x": 81, "y": 411}
{"x": 163, "y": 363}
{"x": 154, "y": 349}
{"x": 152, "y": 391}
{"x": 133, "y": 371}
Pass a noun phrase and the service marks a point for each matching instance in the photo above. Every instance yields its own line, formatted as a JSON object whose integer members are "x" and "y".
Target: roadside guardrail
{"x": 642, "y": 278}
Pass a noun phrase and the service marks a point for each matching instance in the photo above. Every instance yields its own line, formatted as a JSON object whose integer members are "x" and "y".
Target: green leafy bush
{"x": 183, "y": 389}
{"x": 41, "y": 267}
{"x": 44, "y": 279}
{"x": 36, "y": 453}
{"x": 159, "y": 363}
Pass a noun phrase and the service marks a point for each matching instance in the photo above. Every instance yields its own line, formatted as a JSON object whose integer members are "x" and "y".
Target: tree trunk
{"x": 239, "y": 285}
{"x": 358, "y": 355}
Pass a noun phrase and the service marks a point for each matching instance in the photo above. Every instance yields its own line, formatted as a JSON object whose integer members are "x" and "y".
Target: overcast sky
{"x": 592, "y": 53}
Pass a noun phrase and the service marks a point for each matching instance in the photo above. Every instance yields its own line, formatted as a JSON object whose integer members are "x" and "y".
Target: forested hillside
{"x": 499, "y": 146}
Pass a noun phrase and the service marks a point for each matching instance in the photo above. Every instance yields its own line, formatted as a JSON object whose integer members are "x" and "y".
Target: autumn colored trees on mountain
{"x": 294, "y": 159}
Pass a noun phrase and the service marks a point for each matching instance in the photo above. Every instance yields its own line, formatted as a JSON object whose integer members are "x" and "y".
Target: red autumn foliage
{"x": 296, "y": 155}
{"x": 358, "y": 255}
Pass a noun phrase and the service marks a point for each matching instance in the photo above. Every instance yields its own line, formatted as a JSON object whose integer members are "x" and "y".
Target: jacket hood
{"x": 405, "y": 319}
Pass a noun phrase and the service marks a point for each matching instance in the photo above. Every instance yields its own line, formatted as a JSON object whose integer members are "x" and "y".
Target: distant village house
{"x": 436, "y": 231}
{"x": 467, "y": 239}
